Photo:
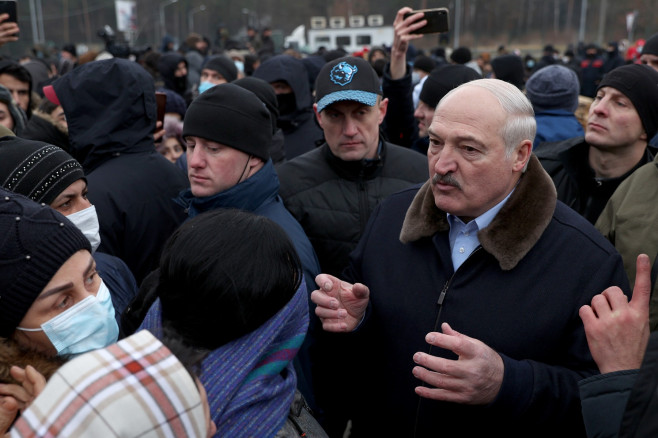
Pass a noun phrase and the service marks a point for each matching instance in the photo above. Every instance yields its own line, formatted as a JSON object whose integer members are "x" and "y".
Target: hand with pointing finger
{"x": 618, "y": 330}
{"x": 340, "y": 305}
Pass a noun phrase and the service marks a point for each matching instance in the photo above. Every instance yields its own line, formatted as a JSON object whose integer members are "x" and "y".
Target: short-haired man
{"x": 228, "y": 133}
{"x": 18, "y": 81}
{"x": 623, "y": 117}
{"x": 477, "y": 277}
{"x": 333, "y": 189}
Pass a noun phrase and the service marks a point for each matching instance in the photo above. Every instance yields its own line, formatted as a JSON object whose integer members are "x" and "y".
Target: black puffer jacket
{"x": 110, "y": 110}
{"x": 332, "y": 199}
{"x": 568, "y": 165}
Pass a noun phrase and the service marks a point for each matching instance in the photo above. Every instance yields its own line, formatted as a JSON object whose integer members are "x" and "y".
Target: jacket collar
{"x": 356, "y": 170}
{"x": 512, "y": 233}
{"x": 248, "y": 195}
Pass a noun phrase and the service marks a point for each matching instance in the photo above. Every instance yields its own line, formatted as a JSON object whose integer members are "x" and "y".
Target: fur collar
{"x": 12, "y": 354}
{"x": 514, "y": 230}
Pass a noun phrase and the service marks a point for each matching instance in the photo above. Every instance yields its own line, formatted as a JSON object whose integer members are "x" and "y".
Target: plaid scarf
{"x": 251, "y": 381}
{"x": 134, "y": 388}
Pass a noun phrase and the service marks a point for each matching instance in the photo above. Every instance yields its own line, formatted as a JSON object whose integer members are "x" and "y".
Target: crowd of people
{"x": 209, "y": 241}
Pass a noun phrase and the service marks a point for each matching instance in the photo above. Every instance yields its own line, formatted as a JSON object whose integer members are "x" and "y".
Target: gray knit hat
{"x": 553, "y": 87}
{"x": 36, "y": 241}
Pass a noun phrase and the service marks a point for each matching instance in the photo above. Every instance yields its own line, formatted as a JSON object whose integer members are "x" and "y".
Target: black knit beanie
{"x": 461, "y": 55}
{"x": 265, "y": 93}
{"x": 640, "y": 84}
{"x": 36, "y": 241}
{"x": 37, "y": 170}
{"x": 232, "y": 116}
{"x": 443, "y": 79}
{"x": 222, "y": 65}
{"x": 651, "y": 45}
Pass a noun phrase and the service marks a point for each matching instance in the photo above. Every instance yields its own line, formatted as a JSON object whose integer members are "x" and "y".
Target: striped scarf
{"x": 251, "y": 381}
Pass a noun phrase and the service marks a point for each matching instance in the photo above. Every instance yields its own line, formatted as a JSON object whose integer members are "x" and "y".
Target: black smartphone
{"x": 9, "y": 7}
{"x": 437, "y": 20}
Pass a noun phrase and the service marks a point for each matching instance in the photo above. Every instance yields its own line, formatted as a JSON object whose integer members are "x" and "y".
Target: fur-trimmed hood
{"x": 514, "y": 230}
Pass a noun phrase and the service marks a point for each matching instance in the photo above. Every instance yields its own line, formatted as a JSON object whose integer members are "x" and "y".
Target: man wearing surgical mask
{"x": 218, "y": 69}
{"x": 48, "y": 175}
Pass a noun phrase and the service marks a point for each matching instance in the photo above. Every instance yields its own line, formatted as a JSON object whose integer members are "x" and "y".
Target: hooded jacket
{"x": 300, "y": 130}
{"x": 43, "y": 127}
{"x": 519, "y": 292}
{"x": 167, "y": 65}
{"x": 111, "y": 113}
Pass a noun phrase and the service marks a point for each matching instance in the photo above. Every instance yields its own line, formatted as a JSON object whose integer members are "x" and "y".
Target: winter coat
{"x": 567, "y": 163}
{"x": 332, "y": 199}
{"x": 555, "y": 125}
{"x": 623, "y": 403}
{"x": 259, "y": 194}
{"x": 119, "y": 280}
{"x": 519, "y": 293}
{"x": 629, "y": 221}
{"x": 111, "y": 134}
{"x": 399, "y": 124}
{"x": 300, "y": 130}
{"x": 42, "y": 127}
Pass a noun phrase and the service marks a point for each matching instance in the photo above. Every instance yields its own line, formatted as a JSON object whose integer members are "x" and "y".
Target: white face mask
{"x": 87, "y": 221}
{"x": 86, "y": 326}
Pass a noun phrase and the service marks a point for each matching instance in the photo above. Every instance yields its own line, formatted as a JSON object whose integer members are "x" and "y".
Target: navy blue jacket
{"x": 119, "y": 280}
{"x": 519, "y": 293}
{"x": 556, "y": 125}
{"x": 260, "y": 195}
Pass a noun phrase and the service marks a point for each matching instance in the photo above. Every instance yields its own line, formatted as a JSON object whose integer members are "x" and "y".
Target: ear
{"x": 521, "y": 155}
{"x": 318, "y": 115}
{"x": 383, "y": 106}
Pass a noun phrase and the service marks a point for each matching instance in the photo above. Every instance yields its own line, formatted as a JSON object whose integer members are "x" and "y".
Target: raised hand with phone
{"x": 8, "y": 21}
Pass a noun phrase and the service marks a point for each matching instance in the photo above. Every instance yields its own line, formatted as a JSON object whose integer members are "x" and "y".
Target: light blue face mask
{"x": 88, "y": 325}
{"x": 205, "y": 86}
{"x": 239, "y": 65}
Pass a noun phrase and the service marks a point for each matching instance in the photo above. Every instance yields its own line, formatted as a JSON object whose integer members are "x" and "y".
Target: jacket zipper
{"x": 442, "y": 297}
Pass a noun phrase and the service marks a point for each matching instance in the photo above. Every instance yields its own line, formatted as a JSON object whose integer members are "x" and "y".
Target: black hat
{"x": 509, "y": 68}
{"x": 424, "y": 63}
{"x": 36, "y": 241}
{"x": 347, "y": 78}
{"x": 233, "y": 116}
{"x": 222, "y": 65}
{"x": 553, "y": 87}
{"x": 265, "y": 93}
{"x": 37, "y": 170}
{"x": 640, "y": 84}
{"x": 651, "y": 45}
{"x": 444, "y": 79}
{"x": 461, "y": 55}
